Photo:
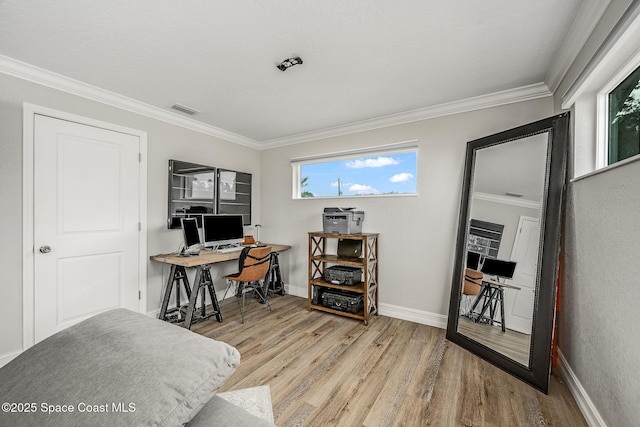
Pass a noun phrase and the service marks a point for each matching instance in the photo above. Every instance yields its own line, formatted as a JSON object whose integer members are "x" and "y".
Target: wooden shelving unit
{"x": 319, "y": 259}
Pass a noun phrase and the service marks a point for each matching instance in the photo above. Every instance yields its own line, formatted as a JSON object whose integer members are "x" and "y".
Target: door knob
{"x": 45, "y": 249}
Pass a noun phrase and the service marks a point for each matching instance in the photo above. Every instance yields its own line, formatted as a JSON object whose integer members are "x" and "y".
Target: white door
{"x": 519, "y": 303}
{"x": 86, "y": 219}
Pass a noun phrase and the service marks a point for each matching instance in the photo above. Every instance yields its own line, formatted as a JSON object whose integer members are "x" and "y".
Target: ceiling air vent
{"x": 184, "y": 109}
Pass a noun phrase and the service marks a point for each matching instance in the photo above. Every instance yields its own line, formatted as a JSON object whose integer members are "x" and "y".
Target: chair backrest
{"x": 255, "y": 264}
{"x": 472, "y": 282}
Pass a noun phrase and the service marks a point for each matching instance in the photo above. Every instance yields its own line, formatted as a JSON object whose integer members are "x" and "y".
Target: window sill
{"x": 607, "y": 168}
{"x": 352, "y": 197}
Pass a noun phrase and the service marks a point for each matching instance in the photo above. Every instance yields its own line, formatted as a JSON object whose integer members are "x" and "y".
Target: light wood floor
{"x": 326, "y": 370}
{"x": 510, "y": 343}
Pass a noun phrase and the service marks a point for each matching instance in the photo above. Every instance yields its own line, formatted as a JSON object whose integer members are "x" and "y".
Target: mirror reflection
{"x": 191, "y": 191}
{"x": 506, "y": 210}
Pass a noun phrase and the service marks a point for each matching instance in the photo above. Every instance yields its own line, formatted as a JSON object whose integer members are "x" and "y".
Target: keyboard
{"x": 229, "y": 249}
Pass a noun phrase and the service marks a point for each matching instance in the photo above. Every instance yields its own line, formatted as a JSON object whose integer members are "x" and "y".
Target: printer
{"x": 342, "y": 221}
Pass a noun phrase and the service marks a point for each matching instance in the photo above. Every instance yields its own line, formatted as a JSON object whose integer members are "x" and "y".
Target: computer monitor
{"x": 499, "y": 268}
{"x": 222, "y": 230}
{"x": 192, "y": 243}
{"x": 473, "y": 260}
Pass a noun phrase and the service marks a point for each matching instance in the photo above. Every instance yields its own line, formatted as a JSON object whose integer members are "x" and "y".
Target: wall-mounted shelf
{"x": 234, "y": 194}
{"x": 198, "y": 190}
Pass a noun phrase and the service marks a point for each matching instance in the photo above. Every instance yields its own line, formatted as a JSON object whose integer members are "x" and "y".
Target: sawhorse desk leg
{"x": 202, "y": 280}
{"x": 177, "y": 276}
{"x": 493, "y": 295}
{"x": 274, "y": 276}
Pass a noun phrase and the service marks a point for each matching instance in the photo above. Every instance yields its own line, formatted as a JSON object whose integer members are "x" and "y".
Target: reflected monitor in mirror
{"x": 473, "y": 260}
{"x": 499, "y": 268}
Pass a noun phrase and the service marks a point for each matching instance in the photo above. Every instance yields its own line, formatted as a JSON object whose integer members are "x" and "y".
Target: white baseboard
{"x": 413, "y": 315}
{"x": 8, "y": 357}
{"x": 588, "y": 409}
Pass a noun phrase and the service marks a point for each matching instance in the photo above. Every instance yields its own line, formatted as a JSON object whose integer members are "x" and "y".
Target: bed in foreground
{"x": 122, "y": 368}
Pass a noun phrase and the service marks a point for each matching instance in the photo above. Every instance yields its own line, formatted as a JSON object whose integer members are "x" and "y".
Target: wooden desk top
{"x": 504, "y": 285}
{"x": 207, "y": 256}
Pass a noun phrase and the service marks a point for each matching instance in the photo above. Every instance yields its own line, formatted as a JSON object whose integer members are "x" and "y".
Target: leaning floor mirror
{"x": 503, "y": 294}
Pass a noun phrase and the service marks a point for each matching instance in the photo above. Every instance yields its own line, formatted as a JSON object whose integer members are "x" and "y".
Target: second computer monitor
{"x": 221, "y": 230}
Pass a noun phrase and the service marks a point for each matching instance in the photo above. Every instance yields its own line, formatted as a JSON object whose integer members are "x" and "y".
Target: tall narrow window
{"x": 624, "y": 119}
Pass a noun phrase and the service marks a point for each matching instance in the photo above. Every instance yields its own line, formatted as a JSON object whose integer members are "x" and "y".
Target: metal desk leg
{"x": 274, "y": 276}
{"x": 167, "y": 293}
{"x": 177, "y": 276}
{"x": 484, "y": 293}
{"x": 202, "y": 280}
{"x": 192, "y": 300}
{"x": 501, "y": 296}
{"x": 212, "y": 294}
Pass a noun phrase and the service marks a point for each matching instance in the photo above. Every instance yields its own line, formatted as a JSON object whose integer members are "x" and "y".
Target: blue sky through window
{"x": 372, "y": 175}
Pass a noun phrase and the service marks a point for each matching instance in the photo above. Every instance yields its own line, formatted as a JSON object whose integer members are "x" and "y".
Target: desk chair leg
{"x": 229, "y": 284}
{"x": 243, "y": 287}
{"x": 238, "y": 293}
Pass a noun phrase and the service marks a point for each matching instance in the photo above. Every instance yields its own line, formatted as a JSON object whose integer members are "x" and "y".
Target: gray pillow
{"x": 116, "y": 368}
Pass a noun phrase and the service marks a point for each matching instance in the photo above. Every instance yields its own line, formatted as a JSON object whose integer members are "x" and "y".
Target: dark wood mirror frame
{"x": 537, "y": 372}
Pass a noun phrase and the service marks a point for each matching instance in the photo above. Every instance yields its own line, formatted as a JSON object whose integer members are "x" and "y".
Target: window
{"x": 604, "y": 95}
{"x": 623, "y": 119}
{"x": 373, "y": 172}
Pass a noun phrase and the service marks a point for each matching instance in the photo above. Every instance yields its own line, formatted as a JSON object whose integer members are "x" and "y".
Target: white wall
{"x": 599, "y": 320}
{"x": 165, "y": 141}
{"x": 417, "y": 234}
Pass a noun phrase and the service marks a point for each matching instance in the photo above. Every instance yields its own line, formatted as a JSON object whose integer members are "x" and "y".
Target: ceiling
{"x": 516, "y": 167}
{"x": 365, "y": 61}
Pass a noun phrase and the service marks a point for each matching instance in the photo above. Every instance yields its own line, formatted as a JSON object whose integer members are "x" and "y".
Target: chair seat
{"x": 233, "y": 276}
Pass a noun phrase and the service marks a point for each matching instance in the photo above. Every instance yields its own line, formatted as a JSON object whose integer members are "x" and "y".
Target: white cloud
{"x": 342, "y": 184}
{"x": 401, "y": 177}
{"x": 363, "y": 189}
{"x": 372, "y": 163}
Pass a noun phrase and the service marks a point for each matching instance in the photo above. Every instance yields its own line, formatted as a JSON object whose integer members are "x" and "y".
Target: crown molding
{"x": 583, "y": 24}
{"x": 609, "y": 58}
{"x": 506, "y": 200}
{"x": 47, "y": 78}
{"x": 43, "y": 77}
{"x": 510, "y": 96}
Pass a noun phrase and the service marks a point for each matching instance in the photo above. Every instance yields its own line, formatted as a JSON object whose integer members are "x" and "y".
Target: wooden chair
{"x": 254, "y": 266}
